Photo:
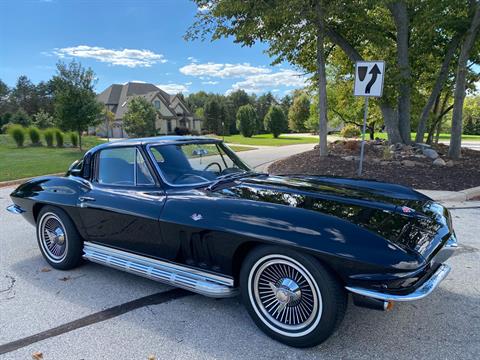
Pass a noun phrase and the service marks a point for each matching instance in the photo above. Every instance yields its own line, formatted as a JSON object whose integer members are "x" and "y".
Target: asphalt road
{"x": 95, "y": 312}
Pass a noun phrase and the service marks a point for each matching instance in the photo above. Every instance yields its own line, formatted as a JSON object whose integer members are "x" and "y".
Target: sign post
{"x": 368, "y": 82}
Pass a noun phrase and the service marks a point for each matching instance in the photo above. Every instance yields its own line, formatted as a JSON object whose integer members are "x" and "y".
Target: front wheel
{"x": 58, "y": 239}
{"x": 291, "y": 296}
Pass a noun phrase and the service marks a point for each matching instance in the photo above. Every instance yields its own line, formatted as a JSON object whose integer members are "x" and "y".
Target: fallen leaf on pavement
{"x": 37, "y": 355}
{"x": 152, "y": 357}
{"x": 65, "y": 278}
{"x": 45, "y": 269}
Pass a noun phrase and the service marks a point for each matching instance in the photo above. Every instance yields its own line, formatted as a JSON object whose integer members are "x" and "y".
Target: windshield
{"x": 189, "y": 164}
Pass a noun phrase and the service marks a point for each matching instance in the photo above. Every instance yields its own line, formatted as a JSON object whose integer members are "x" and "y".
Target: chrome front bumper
{"x": 426, "y": 288}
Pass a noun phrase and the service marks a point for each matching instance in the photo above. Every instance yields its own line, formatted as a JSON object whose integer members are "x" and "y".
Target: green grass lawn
{"x": 17, "y": 163}
{"x": 442, "y": 136}
{"x": 29, "y": 161}
{"x": 269, "y": 140}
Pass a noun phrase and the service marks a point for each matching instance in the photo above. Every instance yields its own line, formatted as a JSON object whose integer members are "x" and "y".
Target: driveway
{"x": 95, "y": 312}
{"x": 263, "y": 156}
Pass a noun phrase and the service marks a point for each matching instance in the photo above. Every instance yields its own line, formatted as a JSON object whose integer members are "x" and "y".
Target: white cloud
{"x": 210, "y": 82}
{"x": 223, "y": 70}
{"x": 173, "y": 88}
{"x": 124, "y": 57}
{"x": 192, "y": 59}
{"x": 264, "y": 82}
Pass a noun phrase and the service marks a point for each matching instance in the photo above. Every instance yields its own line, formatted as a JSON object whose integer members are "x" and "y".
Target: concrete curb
{"x": 20, "y": 181}
{"x": 462, "y": 195}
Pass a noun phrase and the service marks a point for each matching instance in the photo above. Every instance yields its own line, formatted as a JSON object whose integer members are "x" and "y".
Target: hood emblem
{"x": 196, "y": 217}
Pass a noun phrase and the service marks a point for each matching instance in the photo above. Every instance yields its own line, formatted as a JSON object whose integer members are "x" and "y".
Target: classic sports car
{"x": 188, "y": 212}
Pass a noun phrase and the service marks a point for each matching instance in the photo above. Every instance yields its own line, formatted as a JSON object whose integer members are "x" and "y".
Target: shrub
{"x": 48, "y": 134}
{"x": 34, "y": 135}
{"x": 74, "y": 139}
{"x": 246, "y": 120}
{"x": 59, "y": 137}
{"x": 21, "y": 118}
{"x": 4, "y": 129}
{"x": 181, "y": 131}
{"x": 17, "y": 132}
{"x": 350, "y": 131}
{"x": 275, "y": 121}
{"x": 43, "y": 119}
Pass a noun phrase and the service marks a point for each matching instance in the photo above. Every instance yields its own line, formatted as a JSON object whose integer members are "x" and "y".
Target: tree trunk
{"x": 399, "y": 12}
{"x": 80, "y": 140}
{"x": 322, "y": 81}
{"x": 459, "y": 96}
{"x": 437, "y": 88}
{"x": 389, "y": 115}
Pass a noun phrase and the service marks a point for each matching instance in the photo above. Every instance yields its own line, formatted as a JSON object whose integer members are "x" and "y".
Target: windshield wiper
{"x": 229, "y": 177}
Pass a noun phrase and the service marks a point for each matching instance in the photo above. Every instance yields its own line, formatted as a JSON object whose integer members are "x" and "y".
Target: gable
{"x": 160, "y": 105}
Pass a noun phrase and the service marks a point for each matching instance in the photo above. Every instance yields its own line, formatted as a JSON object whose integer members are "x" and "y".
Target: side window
{"x": 144, "y": 177}
{"x": 123, "y": 166}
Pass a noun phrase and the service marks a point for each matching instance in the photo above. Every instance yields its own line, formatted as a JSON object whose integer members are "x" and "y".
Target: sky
{"x": 131, "y": 40}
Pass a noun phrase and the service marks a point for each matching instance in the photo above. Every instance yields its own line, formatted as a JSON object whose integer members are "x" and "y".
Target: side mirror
{"x": 75, "y": 169}
{"x": 199, "y": 152}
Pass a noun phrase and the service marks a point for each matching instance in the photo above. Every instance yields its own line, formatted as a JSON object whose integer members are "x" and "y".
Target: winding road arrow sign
{"x": 369, "y": 78}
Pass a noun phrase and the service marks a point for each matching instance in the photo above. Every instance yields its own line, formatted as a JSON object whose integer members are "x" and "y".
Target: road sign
{"x": 368, "y": 82}
{"x": 369, "y": 78}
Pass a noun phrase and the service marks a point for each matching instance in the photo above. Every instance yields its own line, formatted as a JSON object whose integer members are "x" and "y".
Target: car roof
{"x": 152, "y": 140}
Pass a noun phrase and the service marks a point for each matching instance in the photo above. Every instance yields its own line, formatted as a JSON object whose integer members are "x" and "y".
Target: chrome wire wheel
{"x": 52, "y": 237}
{"x": 285, "y": 295}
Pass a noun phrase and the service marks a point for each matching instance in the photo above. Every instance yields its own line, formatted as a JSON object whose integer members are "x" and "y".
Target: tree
{"x": 399, "y": 12}
{"x": 109, "y": 118}
{"x": 285, "y": 104}
{"x": 139, "y": 120}
{"x": 289, "y": 27}
{"x": 275, "y": 121}
{"x": 246, "y": 120}
{"x": 43, "y": 120}
{"x": 213, "y": 116}
{"x": 460, "y": 83}
{"x": 321, "y": 78}
{"x": 75, "y": 102}
{"x": 262, "y": 106}
{"x": 298, "y": 113}
{"x": 21, "y": 118}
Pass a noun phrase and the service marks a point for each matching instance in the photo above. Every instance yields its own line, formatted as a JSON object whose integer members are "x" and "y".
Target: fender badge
{"x": 196, "y": 217}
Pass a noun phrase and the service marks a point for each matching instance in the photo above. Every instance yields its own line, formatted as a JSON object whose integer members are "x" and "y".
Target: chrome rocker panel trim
{"x": 15, "y": 209}
{"x": 424, "y": 290}
{"x": 190, "y": 279}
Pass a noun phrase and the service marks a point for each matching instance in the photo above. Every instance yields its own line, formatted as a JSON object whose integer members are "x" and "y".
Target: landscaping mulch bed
{"x": 385, "y": 163}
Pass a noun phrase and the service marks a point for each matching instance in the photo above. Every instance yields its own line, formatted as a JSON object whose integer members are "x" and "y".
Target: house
{"x": 172, "y": 112}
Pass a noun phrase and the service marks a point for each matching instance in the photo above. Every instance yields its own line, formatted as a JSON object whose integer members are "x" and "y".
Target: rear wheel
{"x": 58, "y": 239}
{"x": 291, "y": 296}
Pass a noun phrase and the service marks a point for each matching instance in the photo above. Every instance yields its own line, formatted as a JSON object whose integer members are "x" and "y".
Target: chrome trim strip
{"x": 15, "y": 209}
{"x": 424, "y": 290}
{"x": 181, "y": 276}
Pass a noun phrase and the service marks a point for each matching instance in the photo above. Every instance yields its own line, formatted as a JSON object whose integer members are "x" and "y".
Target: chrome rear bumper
{"x": 424, "y": 290}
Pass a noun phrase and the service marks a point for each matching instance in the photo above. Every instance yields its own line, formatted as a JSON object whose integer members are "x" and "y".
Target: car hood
{"x": 402, "y": 215}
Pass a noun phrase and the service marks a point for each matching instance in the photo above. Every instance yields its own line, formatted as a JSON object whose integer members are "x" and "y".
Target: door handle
{"x": 86, "y": 198}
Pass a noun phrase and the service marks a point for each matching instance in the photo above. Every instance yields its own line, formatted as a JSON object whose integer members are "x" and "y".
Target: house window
{"x": 169, "y": 126}
{"x": 156, "y": 103}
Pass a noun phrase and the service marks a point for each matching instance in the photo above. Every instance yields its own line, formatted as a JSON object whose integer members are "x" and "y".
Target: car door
{"x": 123, "y": 207}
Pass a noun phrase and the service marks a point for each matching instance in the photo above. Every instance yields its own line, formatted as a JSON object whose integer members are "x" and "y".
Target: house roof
{"x": 118, "y": 96}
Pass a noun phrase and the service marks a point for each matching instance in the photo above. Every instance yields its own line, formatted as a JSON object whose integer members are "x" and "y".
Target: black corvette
{"x": 188, "y": 212}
